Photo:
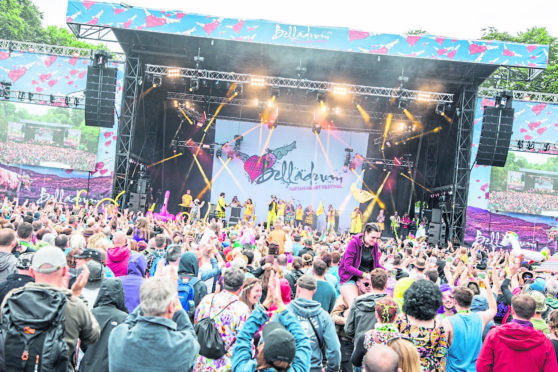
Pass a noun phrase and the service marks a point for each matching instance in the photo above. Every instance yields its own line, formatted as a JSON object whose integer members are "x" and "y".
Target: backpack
{"x": 154, "y": 264}
{"x": 211, "y": 343}
{"x": 186, "y": 292}
{"x": 32, "y": 331}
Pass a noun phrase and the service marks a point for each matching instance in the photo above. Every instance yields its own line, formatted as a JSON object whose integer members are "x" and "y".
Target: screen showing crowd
{"x": 527, "y": 184}
{"x": 48, "y": 137}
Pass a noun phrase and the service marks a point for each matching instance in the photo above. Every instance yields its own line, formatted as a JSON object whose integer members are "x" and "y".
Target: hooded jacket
{"x": 348, "y": 267}
{"x": 311, "y": 311}
{"x": 7, "y": 265}
{"x": 117, "y": 260}
{"x": 292, "y": 278}
{"x": 188, "y": 268}
{"x": 13, "y": 281}
{"x": 362, "y": 315}
{"x": 133, "y": 281}
{"x": 514, "y": 347}
{"x": 480, "y": 303}
{"x": 109, "y": 310}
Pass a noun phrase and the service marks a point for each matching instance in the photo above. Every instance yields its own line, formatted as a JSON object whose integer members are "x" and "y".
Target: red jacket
{"x": 513, "y": 347}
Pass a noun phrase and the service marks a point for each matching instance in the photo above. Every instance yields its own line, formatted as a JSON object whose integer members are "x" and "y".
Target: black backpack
{"x": 211, "y": 343}
{"x": 32, "y": 331}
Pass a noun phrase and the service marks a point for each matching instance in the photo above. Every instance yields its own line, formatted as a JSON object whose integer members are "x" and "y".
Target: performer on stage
{"x": 272, "y": 211}
{"x": 281, "y": 209}
{"x": 381, "y": 219}
{"x": 234, "y": 202}
{"x": 299, "y": 215}
{"x": 248, "y": 210}
{"x": 289, "y": 213}
{"x": 220, "y": 208}
{"x": 309, "y": 217}
{"x": 330, "y": 226}
{"x": 186, "y": 202}
{"x": 356, "y": 221}
{"x": 406, "y": 222}
{"x": 195, "y": 211}
{"x": 395, "y": 224}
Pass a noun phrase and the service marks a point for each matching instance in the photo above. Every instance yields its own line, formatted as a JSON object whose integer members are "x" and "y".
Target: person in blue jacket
{"x": 284, "y": 345}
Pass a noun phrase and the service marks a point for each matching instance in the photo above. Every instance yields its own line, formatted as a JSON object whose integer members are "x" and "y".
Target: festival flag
{"x": 320, "y": 210}
{"x": 362, "y": 196}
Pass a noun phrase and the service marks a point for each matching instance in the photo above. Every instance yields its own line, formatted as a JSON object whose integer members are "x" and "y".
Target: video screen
{"x": 527, "y": 184}
{"x": 46, "y": 136}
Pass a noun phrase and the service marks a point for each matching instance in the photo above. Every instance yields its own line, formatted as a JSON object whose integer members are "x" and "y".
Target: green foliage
{"x": 546, "y": 82}
{"x": 515, "y": 162}
{"x": 20, "y": 20}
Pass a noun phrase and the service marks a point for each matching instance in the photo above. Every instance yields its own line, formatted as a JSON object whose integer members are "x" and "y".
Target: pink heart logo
{"x": 534, "y": 124}
{"x": 99, "y": 165}
{"x": 508, "y": 53}
{"x": 50, "y": 60}
{"x": 523, "y": 130}
{"x": 4, "y": 55}
{"x": 52, "y": 82}
{"x": 487, "y": 102}
{"x": 73, "y": 72}
{"x": 357, "y": 35}
{"x": 452, "y": 54}
{"x": 103, "y": 171}
{"x": 35, "y": 82}
{"x": 128, "y": 23}
{"x": 107, "y": 134}
{"x": 210, "y": 27}
{"x": 487, "y": 195}
{"x": 180, "y": 15}
{"x": 114, "y": 138}
{"x": 477, "y": 180}
{"x": 39, "y": 89}
{"x": 118, "y": 11}
{"x": 45, "y": 77}
{"x": 68, "y": 171}
{"x": 440, "y": 40}
{"x": 238, "y": 26}
{"x": 530, "y": 48}
{"x": 528, "y": 137}
{"x": 107, "y": 144}
{"x": 441, "y": 51}
{"x": 93, "y": 21}
{"x": 88, "y": 4}
{"x": 70, "y": 82}
{"x": 73, "y": 61}
{"x": 537, "y": 109}
{"x": 541, "y": 130}
{"x": 82, "y": 74}
{"x": 14, "y": 75}
{"x": 484, "y": 187}
{"x": 254, "y": 165}
{"x": 412, "y": 40}
{"x": 152, "y": 21}
{"x": 475, "y": 48}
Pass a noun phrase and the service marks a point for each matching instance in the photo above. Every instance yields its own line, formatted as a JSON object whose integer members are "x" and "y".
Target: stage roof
{"x": 174, "y": 38}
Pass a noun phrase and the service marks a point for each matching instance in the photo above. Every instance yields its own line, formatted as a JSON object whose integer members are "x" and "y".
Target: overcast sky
{"x": 460, "y": 19}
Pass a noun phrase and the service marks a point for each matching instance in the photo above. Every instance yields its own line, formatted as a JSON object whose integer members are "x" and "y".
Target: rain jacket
{"x": 242, "y": 355}
{"x": 153, "y": 343}
{"x": 311, "y": 311}
{"x": 348, "y": 267}
{"x": 7, "y": 265}
{"x": 362, "y": 315}
{"x": 133, "y": 281}
{"x": 109, "y": 310}
{"x": 117, "y": 260}
{"x": 514, "y": 347}
{"x": 13, "y": 281}
{"x": 188, "y": 268}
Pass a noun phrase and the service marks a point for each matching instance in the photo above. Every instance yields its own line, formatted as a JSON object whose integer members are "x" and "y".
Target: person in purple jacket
{"x": 133, "y": 281}
{"x": 360, "y": 258}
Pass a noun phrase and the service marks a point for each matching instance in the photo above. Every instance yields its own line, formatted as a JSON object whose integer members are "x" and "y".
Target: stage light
{"x": 157, "y": 81}
{"x": 397, "y": 161}
{"x": 30, "y": 96}
{"x": 257, "y": 82}
{"x": 530, "y": 145}
{"x": 194, "y": 85}
{"x": 76, "y": 101}
{"x": 52, "y": 99}
{"x": 175, "y": 103}
{"x": 440, "y": 107}
{"x": 321, "y": 97}
{"x": 219, "y": 153}
{"x": 520, "y": 144}
{"x": 238, "y": 89}
{"x": 256, "y": 102}
{"x": 6, "y": 87}
{"x": 275, "y": 92}
{"x": 403, "y": 103}
{"x": 546, "y": 147}
{"x": 337, "y": 110}
{"x": 238, "y": 141}
{"x": 424, "y": 97}
{"x": 67, "y": 101}
{"x": 316, "y": 128}
{"x": 339, "y": 90}
{"x": 187, "y": 104}
{"x": 173, "y": 72}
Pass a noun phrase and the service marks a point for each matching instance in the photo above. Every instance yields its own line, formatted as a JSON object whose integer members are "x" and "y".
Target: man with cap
{"x": 50, "y": 272}
{"x": 538, "y": 322}
{"x": 229, "y": 315}
{"x": 307, "y": 248}
{"x": 20, "y": 278}
{"x": 284, "y": 345}
{"x": 89, "y": 254}
{"x": 317, "y": 324}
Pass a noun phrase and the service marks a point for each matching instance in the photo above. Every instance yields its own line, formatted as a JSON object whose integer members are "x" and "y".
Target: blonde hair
{"x": 553, "y": 322}
{"x": 409, "y": 360}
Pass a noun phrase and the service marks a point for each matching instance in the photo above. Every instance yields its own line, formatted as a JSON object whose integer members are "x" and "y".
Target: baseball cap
{"x": 48, "y": 256}
{"x": 307, "y": 282}
{"x": 24, "y": 260}
{"x": 90, "y": 253}
{"x": 540, "y": 300}
{"x": 279, "y": 344}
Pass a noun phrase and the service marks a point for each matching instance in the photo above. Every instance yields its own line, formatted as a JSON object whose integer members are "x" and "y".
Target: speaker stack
{"x": 99, "y": 96}
{"x": 235, "y": 216}
{"x": 436, "y": 230}
{"x": 138, "y": 202}
{"x": 497, "y": 125}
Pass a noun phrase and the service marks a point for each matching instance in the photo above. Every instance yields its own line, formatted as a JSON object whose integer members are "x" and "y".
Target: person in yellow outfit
{"x": 281, "y": 209}
{"x": 272, "y": 211}
{"x": 248, "y": 210}
{"x": 221, "y": 205}
{"x": 186, "y": 202}
{"x": 299, "y": 215}
{"x": 356, "y": 221}
{"x": 330, "y": 219}
{"x": 309, "y": 217}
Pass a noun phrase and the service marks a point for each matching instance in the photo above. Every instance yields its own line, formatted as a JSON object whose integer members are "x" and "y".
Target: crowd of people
{"x": 108, "y": 290}
{"x": 523, "y": 202}
{"x": 39, "y": 154}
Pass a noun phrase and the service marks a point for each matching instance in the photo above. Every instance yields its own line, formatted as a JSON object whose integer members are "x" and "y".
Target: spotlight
{"x": 403, "y": 103}
{"x": 440, "y": 108}
{"x": 339, "y": 90}
{"x": 237, "y": 141}
{"x": 546, "y": 147}
{"x": 530, "y": 145}
{"x": 157, "y": 81}
{"x": 239, "y": 89}
{"x": 6, "y": 87}
{"x": 51, "y": 99}
{"x": 316, "y": 128}
{"x": 175, "y": 103}
{"x": 67, "y": 101}
{"x": 173, "y": 72}
{"x": 76, "y": 101}
{"x": 321, "y": 97}
{"x": 275, "y": 92}
{"x": 520, "y": 144}
{"x": 397, "y": 161}
{"x": 30, "y": 96}
{"x": 194, "y": 85}
{"x": 219, "y": 153}
{"x": 257, "y": 82}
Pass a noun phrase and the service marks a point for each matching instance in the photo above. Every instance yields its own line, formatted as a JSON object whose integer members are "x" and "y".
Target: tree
{"x": 20, "y": 20}
{"x": 547, "y": 81}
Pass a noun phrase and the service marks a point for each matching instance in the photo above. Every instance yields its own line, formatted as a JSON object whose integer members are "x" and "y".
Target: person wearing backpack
{"x": 317, "y": 324}
{"x": 157, "y": 336}
{"x": 188, "y": 270}
{"x": 133, "y": 281}
{"x": 228, "y": 314}
{"x": 155, "y": 255}
{"x": 58, "y": 320}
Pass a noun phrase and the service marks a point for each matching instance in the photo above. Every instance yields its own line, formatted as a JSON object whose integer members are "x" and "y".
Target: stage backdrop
{"x": 61, "y": 180}
{"x": 522, "y": 196}
{"x": 294, "y": 167}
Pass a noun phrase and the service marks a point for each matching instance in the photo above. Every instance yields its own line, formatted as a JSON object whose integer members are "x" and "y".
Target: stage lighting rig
{"x": 403, "y": 103}
{"x": 316, "y": 128}
{"x": 546, "y": 147}
{"x": 157, "y": 81}
{"x": 530, "y": 145}
{"x": 275, "y": 92}
{"x": 440, "y": 108}
{"x": 5, "y": 87}
{"x": 198, "y": 59}
{"x": 173, "y": 72}
{"x": 238, "y": 141}
{"x": 300, "y": 70}
{"x": 520, "y": 145}
{"x": 30, "y": 96}
{"x": 321, "y": 97}
{"x": 239, "y": 89}
{"x": 339, "y": 90}
{"x": 194, "y": 85}
{"x": 51, "y": 99}
{"x": 219, "y": 152}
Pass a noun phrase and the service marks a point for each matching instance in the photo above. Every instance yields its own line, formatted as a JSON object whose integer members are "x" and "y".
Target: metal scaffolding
{"x": 313, "y": 85}
{"x": 465, "y": 122}
{"x": 520, "y": 95}
{"x": 127, "y": 124}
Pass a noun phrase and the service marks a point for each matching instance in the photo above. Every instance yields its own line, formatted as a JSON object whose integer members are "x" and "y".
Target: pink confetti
{"x": 52, "y": 82}
{"x": 82, "y": 74}
{"x": 476, "y": 49}
{"x": 39, "y": 89}
{"x": 14, "y": 75}
{"x": 530, "y": 48}
{"x": 152, "y": 21}
{"x": 180, "y": 15}
{"x": 440, "y": 40}
{"x": 412, "y": 39}
{"x": 118, "y": 11}
{"x": 508, "y": 53}
{"x": 93, "y": 21}
{"x": 238, "y": 26}
{"x": 528, "y": 137}
{"x": 357, "y": 35}
{"x": 73, "y": 61}
{"x": 541, "y": 130}
{"x": 534, "y": 124}
{"x": 88, "y": 4}
{"x": 537, "y": 109}
{"x": 452, "y": 54}
{"x": 210, "y": 27}
{"x": 50, "y": 60}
